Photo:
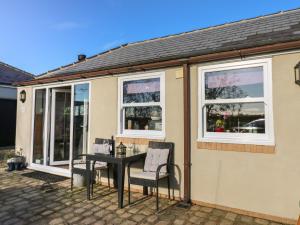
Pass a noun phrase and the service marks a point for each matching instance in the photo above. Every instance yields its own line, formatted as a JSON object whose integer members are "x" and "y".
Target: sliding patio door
{"x": 60, "y": 127}
{"x": 80, "y": 119}
{"x": 39, "y": 126}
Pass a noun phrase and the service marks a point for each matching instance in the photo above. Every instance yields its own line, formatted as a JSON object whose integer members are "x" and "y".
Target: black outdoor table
{"x": 121, "y": 161}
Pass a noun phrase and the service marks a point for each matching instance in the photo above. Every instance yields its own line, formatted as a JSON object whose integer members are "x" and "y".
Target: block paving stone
{"x": 22, "y": 201}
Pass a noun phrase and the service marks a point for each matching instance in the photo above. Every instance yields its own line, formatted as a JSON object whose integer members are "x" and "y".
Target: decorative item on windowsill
{"x": 121, "y": 149}
{"x": 297, "y": 73}
{"x": 23, "y": 96}
{"x": 155, "y": 115}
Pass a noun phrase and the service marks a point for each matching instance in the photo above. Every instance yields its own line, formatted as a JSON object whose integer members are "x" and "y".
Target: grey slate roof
{"x": 10, "y": 74}
{"x": 270, "y": 29}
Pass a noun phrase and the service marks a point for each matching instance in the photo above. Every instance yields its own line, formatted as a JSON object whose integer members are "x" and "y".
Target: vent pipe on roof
{"x": 81, "y": 57}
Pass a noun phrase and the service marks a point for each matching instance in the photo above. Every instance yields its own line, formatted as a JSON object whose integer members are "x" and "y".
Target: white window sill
{"x": 144, "y": 136}
{"x": 239, "y": 140}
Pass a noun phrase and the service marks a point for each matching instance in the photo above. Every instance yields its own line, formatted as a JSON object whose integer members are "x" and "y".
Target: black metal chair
{"x": 157, "y": 167}
{"x": 78, "y": 164}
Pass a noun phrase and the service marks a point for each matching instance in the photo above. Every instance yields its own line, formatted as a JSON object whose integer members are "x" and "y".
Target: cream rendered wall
{"x": 24, "y": 123}
{"x": 263, "y": 183}
{"x": 104, "y": 118}
{"x": 174, "y": 121}
{"x": 104, "y": 108}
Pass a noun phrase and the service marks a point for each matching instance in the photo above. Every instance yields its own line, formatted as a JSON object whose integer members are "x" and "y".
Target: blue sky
{"x": 40, "y": 35}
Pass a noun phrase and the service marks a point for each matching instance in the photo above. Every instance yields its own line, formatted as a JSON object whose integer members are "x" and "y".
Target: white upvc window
{"x": 235, "y": 102}
{"x": 142, "y": 105}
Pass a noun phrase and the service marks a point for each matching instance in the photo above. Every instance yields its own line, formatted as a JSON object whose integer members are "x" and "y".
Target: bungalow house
{"x": 225, "y": 95}
{"x": 8, "y": 102}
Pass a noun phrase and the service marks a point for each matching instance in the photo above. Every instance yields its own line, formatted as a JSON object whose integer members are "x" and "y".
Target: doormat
{"x": 47, "y": 177}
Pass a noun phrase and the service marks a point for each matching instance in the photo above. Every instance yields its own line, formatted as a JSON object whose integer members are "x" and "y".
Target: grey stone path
{"x": 23, "y": 202}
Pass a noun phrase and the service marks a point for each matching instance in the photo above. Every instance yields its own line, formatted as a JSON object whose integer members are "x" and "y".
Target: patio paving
{"x": 22, "y": 201}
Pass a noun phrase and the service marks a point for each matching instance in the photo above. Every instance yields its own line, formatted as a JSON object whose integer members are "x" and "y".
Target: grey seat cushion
{"x": 147, "y": 175}
{"x": 98, "y": 165}
{"x": 154, "y": 158}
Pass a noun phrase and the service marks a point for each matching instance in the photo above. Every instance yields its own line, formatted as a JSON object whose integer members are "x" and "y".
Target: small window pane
{"x": 235, "y": 118}
{"x": 145, "y": 90}
{"x": 235, "y": 83}
{"x": 143, "y": 118}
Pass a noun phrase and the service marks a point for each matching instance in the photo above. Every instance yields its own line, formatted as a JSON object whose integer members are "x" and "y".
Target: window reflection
{"x": 234, "y": 83}
{"x": 143, "y": 118}
{"x": 80, "y": 121}
{"x": 39, "y": 118}
{"x": 235, "y": 118}
{"x": 138, "y": 91}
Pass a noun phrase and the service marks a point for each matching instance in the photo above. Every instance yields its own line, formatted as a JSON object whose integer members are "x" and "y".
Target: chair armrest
{"x": 80, "y": 155}
{"x": 162, "y": 165}
{"x": 83, "y": 155}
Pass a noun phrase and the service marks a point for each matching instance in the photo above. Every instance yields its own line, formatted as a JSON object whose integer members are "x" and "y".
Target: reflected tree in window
{"x": 234, "y": 117}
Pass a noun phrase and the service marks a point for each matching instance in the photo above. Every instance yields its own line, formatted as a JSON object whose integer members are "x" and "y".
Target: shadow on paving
{"x": 22, "y": 201}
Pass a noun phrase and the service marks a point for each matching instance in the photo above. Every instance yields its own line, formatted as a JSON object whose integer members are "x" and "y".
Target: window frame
{"x": 237, "y": 138}
{"x": 122, "y": 132}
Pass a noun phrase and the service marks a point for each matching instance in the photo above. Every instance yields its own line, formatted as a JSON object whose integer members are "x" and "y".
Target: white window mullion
{"x": 236, "y": 100}
{"x": 144, "y": 104}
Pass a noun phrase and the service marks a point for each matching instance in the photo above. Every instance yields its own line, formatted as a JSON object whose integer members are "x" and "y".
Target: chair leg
{"x": 92, "y": 181}
{"x": 72, "y": 181}
{"x": 169, "y": 195}
{"x": 100, "y": 177}
{"x": 128, "y": 191}
{"x": 108, "y": 176}
{"x": 157, "y": 203}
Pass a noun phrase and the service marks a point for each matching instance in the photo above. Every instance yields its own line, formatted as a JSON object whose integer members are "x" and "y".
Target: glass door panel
{"x": 39, "y": 123}
{"x": 80, "y": 119}
{"x": 60, "y": 127}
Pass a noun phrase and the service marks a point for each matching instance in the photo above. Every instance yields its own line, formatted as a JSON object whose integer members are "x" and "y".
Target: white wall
{"x": 7, "y": 92}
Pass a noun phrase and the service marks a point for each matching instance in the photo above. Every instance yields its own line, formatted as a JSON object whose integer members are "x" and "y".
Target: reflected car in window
{"x": 255, "y": 126}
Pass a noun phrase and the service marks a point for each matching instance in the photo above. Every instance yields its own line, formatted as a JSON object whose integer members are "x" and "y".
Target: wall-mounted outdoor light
{"x": 23, "y": 96}
{"x": 297, "y": 73}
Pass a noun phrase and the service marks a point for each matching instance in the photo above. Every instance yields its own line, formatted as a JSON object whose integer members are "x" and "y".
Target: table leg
{"x": 121, "y": 173}
{"x": 145, "y": 190}
{"x": 115, "y": 175}
{"x": 88, "y": 179}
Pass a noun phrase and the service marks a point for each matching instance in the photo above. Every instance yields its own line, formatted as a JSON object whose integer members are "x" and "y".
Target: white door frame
{"x": 52, "y": 127}
{"x": 47, "y": 87}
